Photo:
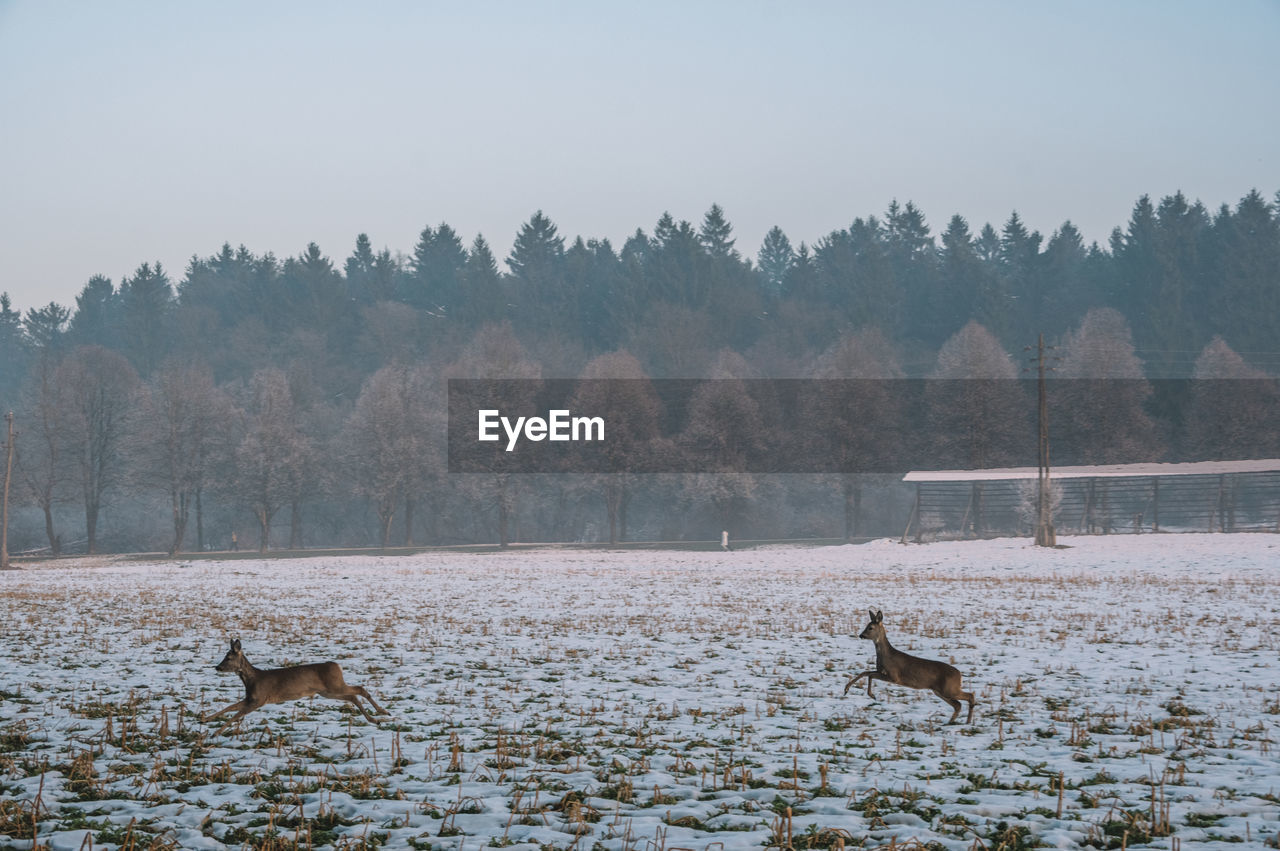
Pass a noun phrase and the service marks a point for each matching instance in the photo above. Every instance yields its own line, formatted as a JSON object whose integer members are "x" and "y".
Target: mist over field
{"x": 301, "y": 401}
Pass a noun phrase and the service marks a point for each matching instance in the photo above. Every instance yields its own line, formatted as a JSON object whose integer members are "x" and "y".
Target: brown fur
{"x": 894, "y": 666}
{"x": 277, "y": 685}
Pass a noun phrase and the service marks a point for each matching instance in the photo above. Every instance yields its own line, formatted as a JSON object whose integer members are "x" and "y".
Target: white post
{"x": 724, "y": 540}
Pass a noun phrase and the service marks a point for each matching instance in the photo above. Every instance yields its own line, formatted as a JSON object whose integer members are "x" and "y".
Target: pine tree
{"x": 913, "y": 255}
{"x": 96, "y": 320}
{"x": 1023, "y": 312}
{"x": 1245, "y": 296}
{"x": 1067, "y": 288}
{"x": 962, "y": 274}
{"x": 484, "y": 296}
{"x": 538, "y": 277}
{"x": 802, "y": 280}
{"x": 987, "y": 244}
{"x": 1134, "y": 252}
{"x": 316, "y": 298}
{"x": 13, "y": 353}
{"x": 359, "y": 270}
{"x": 436, "y": 271}
{"x": 855, "y": 275}
{"x": 775, "y": 261}
{"x": 664, "y": 230}
{"x": 1172, "y": 315}
{"x": 146, "y": 302}
{"x": 45, "y": 326}
{"x": 538, "y": 250}
{"x": 716, "y": 235}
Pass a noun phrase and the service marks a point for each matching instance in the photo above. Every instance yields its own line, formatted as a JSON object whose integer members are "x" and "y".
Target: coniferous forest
{"x": 298, "y": 401}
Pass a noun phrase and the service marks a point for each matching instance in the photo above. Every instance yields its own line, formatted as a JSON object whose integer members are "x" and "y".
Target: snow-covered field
{"x": 642, "y": 701}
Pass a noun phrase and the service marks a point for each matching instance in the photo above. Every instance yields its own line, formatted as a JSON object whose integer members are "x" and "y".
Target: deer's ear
{"x": 879, "y": 616}
{"x": 235, "y": 644}
{"x": 871, "y": 613}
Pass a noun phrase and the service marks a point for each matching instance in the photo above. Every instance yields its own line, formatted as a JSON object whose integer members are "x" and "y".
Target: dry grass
{"x": 638, "y": 702}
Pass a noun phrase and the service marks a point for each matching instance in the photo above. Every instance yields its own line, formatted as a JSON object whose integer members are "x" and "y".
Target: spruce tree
{"x": 775, "y": 261}
{"x": 146, "y": 300}
{"x": 716, "y": 235}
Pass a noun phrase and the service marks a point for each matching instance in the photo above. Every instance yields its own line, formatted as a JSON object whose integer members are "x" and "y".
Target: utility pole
{"x": 1045, "y": 535}
{"x": 4, "y": 512}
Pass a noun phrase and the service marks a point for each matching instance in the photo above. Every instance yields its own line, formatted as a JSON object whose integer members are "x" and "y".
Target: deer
{"x": 277, "y": 685}
{"x": 894, "y": 666}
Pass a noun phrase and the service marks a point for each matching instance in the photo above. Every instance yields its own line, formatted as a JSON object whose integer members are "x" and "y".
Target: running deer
{"x": 277, "y": 685}
{"x": 894, "y": 666}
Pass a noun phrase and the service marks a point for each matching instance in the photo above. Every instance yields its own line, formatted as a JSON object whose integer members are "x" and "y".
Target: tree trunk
{"x": 613, "y": 495}
{"x": 852, "y": 507}
{"x": 180, "y": 514}
{"x": 385, "y": 516}
{"x": 264, "y": 530}
{"x": 504, "y": 513}
{"x": 199, "y": 522}
{"x": 91, "y": 525}
{"x": 4, "y": 512}
{"x": 408, "y": 521}
{"x": 55, "y": 542}
{"x": 295, "y": 525}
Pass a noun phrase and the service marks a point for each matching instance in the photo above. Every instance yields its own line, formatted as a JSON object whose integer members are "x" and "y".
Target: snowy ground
{"x": 643, "y": 701}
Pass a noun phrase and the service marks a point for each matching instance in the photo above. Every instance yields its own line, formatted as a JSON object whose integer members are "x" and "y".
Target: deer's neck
{"x": 884, "y": 652}
{"x": 248, "y": 674}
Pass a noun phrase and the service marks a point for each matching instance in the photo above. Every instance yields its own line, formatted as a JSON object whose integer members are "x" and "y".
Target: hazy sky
{"x": 144, "y": 131}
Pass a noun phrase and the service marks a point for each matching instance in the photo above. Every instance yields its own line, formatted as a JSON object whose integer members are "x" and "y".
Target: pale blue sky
{"x": 135, "y": 131}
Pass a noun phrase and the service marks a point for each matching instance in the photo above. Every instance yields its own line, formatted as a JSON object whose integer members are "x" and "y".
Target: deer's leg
{"x": 355, "y": 701}
{"x": 227, "y": 726}
{"x": 870, "y": 675}
{"x": 235, "y": 719}
{"x": 232, "y": 708}
{"x": 363, "y": 692}
{"x": 352, "y": 695}
{"x": 246, "y": 706}
{"x": 951, "y": 701}
{"x": 968, "y": 695}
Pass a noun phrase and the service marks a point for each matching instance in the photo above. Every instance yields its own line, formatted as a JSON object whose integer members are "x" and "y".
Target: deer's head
{"x": 234, "y": 658}
{"x": 875, "y": 627}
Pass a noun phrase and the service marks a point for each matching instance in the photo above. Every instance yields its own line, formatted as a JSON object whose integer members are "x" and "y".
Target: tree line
{"x": 269, "y": 395}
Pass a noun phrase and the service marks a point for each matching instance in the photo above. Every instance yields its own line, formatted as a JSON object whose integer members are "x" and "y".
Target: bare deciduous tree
{"x": 184, "y": 422}
{"x": 1100, "y": 416}
{"x": 495, "y": 353}
{"x": 1234, "y": 408}
{"x": 385, "y": 442}
{"x": 42, "y": 464}
{"x": 96, "y": 393}
{"x": 977, "y": 412}
{"x": 724, "y": 428}
{"x": 271, "y": 451}
{"x": 857, "y": 418}
{"x": 616, "y": 388}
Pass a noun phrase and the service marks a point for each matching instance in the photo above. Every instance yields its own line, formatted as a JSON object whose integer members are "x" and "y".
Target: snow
{"x": 598, "y": 699}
